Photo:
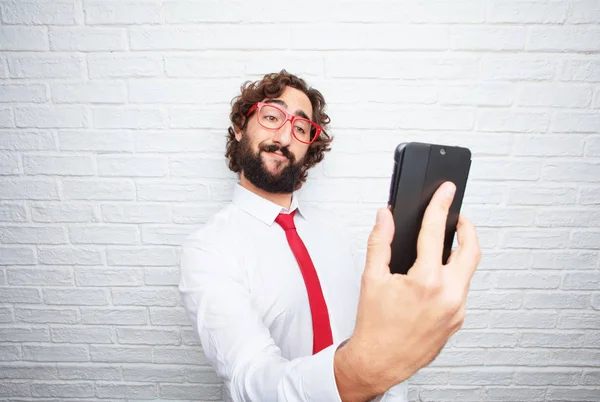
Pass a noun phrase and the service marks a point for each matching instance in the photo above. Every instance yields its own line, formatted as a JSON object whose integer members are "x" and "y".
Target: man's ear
{"x": 238, "y": 134}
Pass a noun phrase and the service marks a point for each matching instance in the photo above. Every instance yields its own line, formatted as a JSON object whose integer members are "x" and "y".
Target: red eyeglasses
{"x": 273, "y": 118}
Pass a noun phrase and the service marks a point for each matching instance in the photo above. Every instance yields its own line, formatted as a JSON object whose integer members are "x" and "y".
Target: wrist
{"x": 356, "y": 379}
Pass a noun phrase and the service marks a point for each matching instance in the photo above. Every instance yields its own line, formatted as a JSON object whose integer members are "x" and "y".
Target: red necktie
{"x": 322, "y": 337}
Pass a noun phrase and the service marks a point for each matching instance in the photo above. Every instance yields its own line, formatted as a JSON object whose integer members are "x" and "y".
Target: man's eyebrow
{"x": 299, "y": 112}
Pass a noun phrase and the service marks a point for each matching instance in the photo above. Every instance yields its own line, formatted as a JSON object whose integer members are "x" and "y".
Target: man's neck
{"x": 283, "y": 200}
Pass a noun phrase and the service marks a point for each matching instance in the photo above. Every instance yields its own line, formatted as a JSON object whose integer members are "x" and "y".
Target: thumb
{"x": 379, "y": 251}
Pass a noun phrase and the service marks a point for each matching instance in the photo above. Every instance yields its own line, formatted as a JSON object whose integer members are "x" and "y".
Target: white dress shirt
{"x": 244, "y": 293}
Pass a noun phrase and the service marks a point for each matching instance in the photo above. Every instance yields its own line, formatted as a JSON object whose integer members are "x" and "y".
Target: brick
{"x": 449, "y": 357}
{"x": 46, "y": 315}
{"x": 581, "y": 280}
{"x": 81, "y": 335}
{"x": 526, "y": 280}
{"x": 592, "y": 145}
{"x": 572, "y": 394}
{"x": 99, "y": 189}
{"x": 486, "y": 38}
{"x": 114, "y": 354}
{"x": 505, "y": 260}
{"x": 206, "y": 37}
{"x": 530, "y": 238}
{"x": 531, "y": 11}
{"x": 35, "y": 93}
{"x": 567, "y": 218}
{"x": 484, "y": 193}
{"x": 574, "y": 122}
{"x": 481, "y": 376}
{"x": 76, "y": 297}
{"x": 28, "y": 371}
{"x": 113, "y": 65}
{"x": 7, "y": 119}
{"x": 541, "y": 195}
{"x": 511, "y": 121}
{"x": 383, "y": 66}
{"x": 499, "y": 217}
{"x": 340, "y": 165}
{"x": 10, "y": 164}
{"x": 546, "y": 376}
{"x": 467, "y": 11}
{"x": 9, "y": 353}
{"x": 165, "y": 235}
{"x": 202, "y": 213}
{"x": 581, "y": 70}
{"x": 502, "y": 169}
{"x": 209, "y": 117}
{"x": 116, "y": 12}
{"x": 213, "y": 64}
{"x": 63, "y": 212}
{"x": 172, "y": 191}
{"x": 16, "y": 38}
{"x": 109, "y": 277}
{"x": 566, "y": 259}
{"x": 129, "y": 117}
{"x": 6, "y": 315}
{"x": 87, "y": 39}
{"x": 208, "y": 392}
{"x": 27, "y": 140}
{"x": 23, "y": 276}
{"x": 145, "y": 297}
{"x": 153, "y": 374}
{"x": 192, "y": 12}
{"x": 34, "y": 12}
{"x": 179, "y": 141}
{"x": 55, "y": 353}
{"x": 118, "y": 316}
{"x": 20, "y": 295}
{"x": 190, "y": 337}
{"x": 347, "y": 36}
{"x": 579, "y": 320}
{"x": 589, "y": 195}
{"x": 514, "y": 393}
{"x": 203, "y": 375}
{"x": 555, "y": 95}
{"x": 70, "y": 256}
{"x": 483, "y": 94}
{"x": 128, "y": 391}
{"x": 15, "y": 389}
{"x": 137, "y": 166}
{"x": 450, "y": 393}
{"x": 96, "y": 141}
{"x": 148, "y": 336}
{"x": 548, "y": 145}
{"x": 96, "y": 91}
{"x": 571, "y": 171}
{"x": 556, "y": 300}
{"x": 512, "y": 68}
{"x": 179, "y": 355}
{"x": 42, "y": 66}
{"x": 92, "y": 372}
{"x": 181, "y": 91}
{"x": 506, "y": 356}
{"x": 135, "y": 213}
{"x": 51, "y": 117}
{"x": 590, "y": 377}
{"x": 168, "y": 316}
{"x": 105, "y": 234}
{"x": 488, "y": 300}
{"x": 521, "y": 319}
{"x": 161, "y": 276}
{"x": 564, "y": 38}
{"x": 59, "y": 165}
{"x": 495, "y": 339}
{"x": 381, "y": 91}
{"x": 80, "y": 390}
{"x": 584, "y": 12}
{"x": 3, "y": 67}
{"x": 17, "y": 256}
{"x": 141, "y": 256}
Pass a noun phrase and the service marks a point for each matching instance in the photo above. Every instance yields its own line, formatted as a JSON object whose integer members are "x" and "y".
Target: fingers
{"x": 430, "y": 243}
{"x": 468, "y": 253}
{"x": 380, "y": 239}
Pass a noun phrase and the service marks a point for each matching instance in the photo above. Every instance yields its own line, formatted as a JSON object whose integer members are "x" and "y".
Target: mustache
{"x": 274, "y": 148}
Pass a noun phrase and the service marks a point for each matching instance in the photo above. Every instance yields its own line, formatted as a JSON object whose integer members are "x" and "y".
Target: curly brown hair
{"x": 271, "y": 86}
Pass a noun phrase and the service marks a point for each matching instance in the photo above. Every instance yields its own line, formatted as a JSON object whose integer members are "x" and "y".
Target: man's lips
{"x": 277, "y": 155}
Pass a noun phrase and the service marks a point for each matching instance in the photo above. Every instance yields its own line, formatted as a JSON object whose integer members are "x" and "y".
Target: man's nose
{"x": 283, "y": 136}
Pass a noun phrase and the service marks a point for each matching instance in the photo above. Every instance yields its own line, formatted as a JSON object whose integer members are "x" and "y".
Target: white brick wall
{"x": 112, "y": 127}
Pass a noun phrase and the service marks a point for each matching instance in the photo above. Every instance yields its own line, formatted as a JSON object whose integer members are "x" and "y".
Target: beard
{"x": 255, "y": 170}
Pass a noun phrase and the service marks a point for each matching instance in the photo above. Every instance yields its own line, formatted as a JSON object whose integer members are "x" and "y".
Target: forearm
{"x": 353, "y": 381}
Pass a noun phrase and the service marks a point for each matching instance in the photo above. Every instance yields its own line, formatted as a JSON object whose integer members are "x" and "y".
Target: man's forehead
{"x": 301, "y": 105}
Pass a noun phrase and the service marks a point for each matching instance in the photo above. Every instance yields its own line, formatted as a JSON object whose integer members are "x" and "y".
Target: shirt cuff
{"x": 319, "y": 377}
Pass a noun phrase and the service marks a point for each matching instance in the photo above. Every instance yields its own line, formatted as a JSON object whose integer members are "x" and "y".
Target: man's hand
{"x": 404, "y": 321}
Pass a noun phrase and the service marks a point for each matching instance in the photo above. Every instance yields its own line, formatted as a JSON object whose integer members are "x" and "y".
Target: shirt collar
{"x": 261, "y": 208}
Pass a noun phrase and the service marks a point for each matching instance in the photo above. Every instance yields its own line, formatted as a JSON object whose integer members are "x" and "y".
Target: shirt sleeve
{"x": 236, "y": 341}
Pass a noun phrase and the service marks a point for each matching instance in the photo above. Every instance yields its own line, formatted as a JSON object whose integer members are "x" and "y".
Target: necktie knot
{"x": 286, "y": 221}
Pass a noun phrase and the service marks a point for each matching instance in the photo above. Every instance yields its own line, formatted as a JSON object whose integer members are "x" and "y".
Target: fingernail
{"x": 449, "y": 190}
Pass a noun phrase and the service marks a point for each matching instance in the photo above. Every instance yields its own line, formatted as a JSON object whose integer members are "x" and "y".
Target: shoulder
{"x": 215, "y": 234}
